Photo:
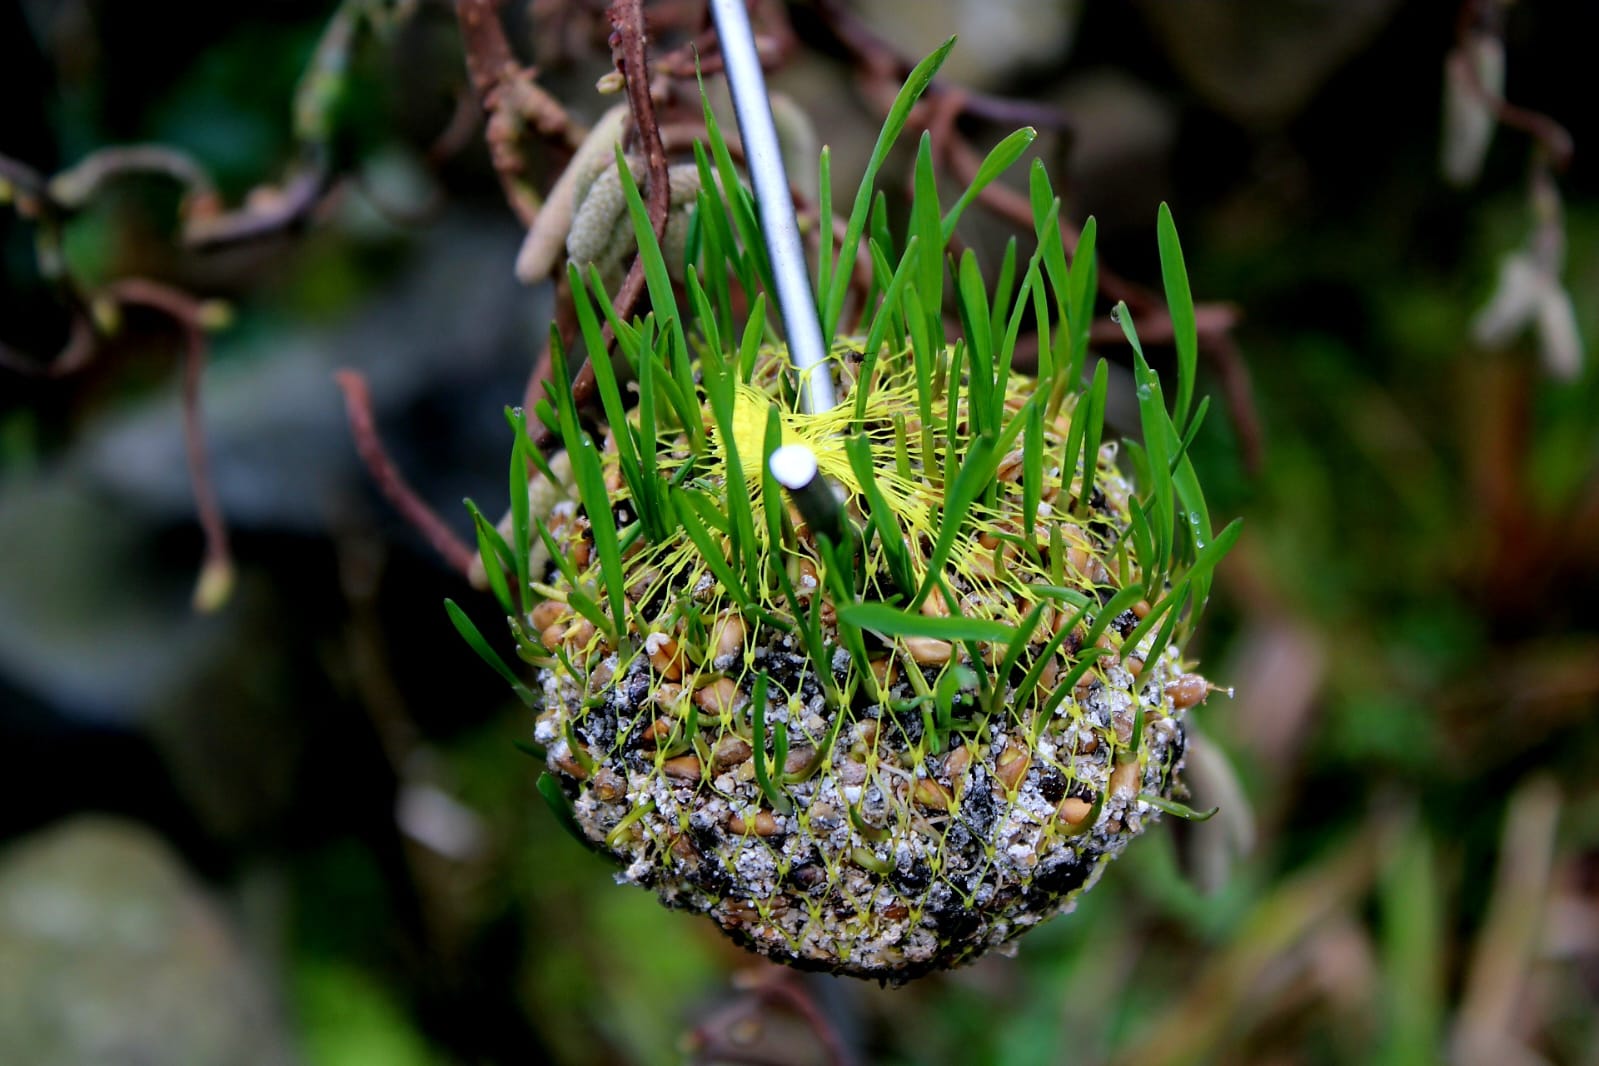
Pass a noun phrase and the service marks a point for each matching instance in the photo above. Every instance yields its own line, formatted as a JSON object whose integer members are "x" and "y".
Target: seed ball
{"x": 884, "y": 814}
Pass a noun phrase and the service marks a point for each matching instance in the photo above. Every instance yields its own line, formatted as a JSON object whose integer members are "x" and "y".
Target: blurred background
{"x": 296, "y": 829}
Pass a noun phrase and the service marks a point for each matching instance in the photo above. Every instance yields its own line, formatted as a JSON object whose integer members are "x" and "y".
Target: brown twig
{"x": 216, "y": 572}
{"x": 512, "y": 99}
{"x": 465, "y": 118}
{"x": 271, "y": 211}
{"x": 715, "y": 1039}
{"x": 880, "y": 62}
{"x": 1486, "y": 17}
{"x": 358, "y": 408}
{"x": 74, "y": 355}
{"x": 627, "y": 50}
{"x": 79, "y": 183}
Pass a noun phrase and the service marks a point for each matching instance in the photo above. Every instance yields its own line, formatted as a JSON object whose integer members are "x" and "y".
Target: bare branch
{"x": 358, "y": 408}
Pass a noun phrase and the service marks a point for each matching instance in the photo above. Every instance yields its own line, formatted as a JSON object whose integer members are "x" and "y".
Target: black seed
{"x": 1174, "y": 759}
{"x": 808, "y": 878}
{"x": 978, "y": 807}
{"x": 1052, "y": 783}
{"x": 954, "y": 920}
{"x": 914, "y": 877}
{"x": 1065, "y": 876}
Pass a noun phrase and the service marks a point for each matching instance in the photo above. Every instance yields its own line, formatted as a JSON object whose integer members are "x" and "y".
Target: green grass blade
{"x": 657, "y": 279}
{"x": 985, "y": 408}
{"x": 1046, "y": 217}
{"x": 1032, "y": 473}
{"x": 893, "y": 622}
{"x": 1083, "y": 287}
{"x": 495, "y": 554}
{"x": 763, "y": 777}
{"x": 1003, "y": 291}
{"x": 1113, "y": 609}
{"x": 1180, "y": 304}
{"x": 926, "y": 226}
{"x": 824, "y": 228}
{"x": 1064, "y": 686}
{"x": 562, "y": 563}
{"x": 741, "y": 208}
{"x": 1091, "y": 412}
{"x": 474, "y": 639}
{"x": 976, "y": 470}
{"x": 610, "y": 393}
{"x": 898, "y": 113}
{"x": 692, "y": 519}
{"x": 881, "y": 515}
{"x": 1000, "y": 159}
{"x": 588, "y": 475}
{"x": 521, "y": 534}
{"x": 1035, "y": 673}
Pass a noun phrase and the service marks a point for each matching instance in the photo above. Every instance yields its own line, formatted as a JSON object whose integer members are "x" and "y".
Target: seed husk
{"x": 730, "y": 751}
{"x": 682, "y": 767}
{"x": 927, "y": 651}
{"x": 930, "y": 793}
{"x": 547, "y": 613}
{"x": 1011, "y": 766}
{"x": 1073, "y": 809}
{"x": 1188, "y": 690}
{"x": 718, "y": 697}
{"x": 666, "y": 658}
{"x": 764, "y": 824}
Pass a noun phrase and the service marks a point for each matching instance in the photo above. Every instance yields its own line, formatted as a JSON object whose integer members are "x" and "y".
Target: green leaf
{"x": 492, "y": 548}
{"x": 719, "y": 388}
{"x": 521, "y": 522}
{"x": 474, "y": 639}
{"x": 656, "y": 278}
{"x": 1083, "y": 286}
{"x": 891, "y": 621}
{"x": 1180, "y": 304}
{"x": 881, "y": 515}
{"x": 1112, "y": 610}
{"x": 1000, "y": 159}
{"x": 774, "y": 795}
{"x": 926, "y": 227}
{"x": 771, "y": 493}
{"x": 740, "y": 206}
{"x": 1083, "y": 439}
{"x": 898, "y": 113}
{"x": 1001, "y": 294}
{"x": 1023, "y": 692}
{"x": 985, "y": 408}
{"x": 976, "y": 470}
{"x": 1178, "y": 810}
{"x": 1202, "y": 571}
{"x": 710, "y": 553}
{"x": 610, "y": 393}
{"x": 1032, "y": 474}
{"x": 1021, "y": 637}
{"x": 590, "y": 478}
{"x": 719, "y": 238}
{"x": 1063, "y": 687}
{"x": 824, "y": 229}
{"x": 1046, "y": 217}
